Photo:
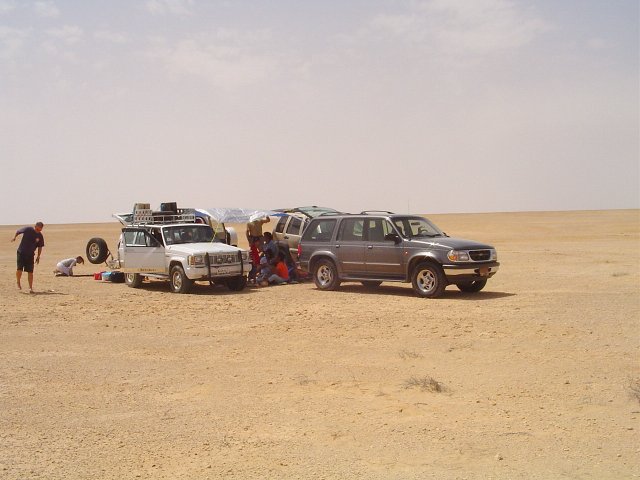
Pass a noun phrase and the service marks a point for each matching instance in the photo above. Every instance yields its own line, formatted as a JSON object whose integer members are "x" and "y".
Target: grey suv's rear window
{"x": 320, "y": 230}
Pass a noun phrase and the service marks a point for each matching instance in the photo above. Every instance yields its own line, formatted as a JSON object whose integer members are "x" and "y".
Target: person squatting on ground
{"x": 32, "y": 240}
{"x": 264, "y": 271}
{"x": 65, "y": 267}
{"x": 280, "y": 273}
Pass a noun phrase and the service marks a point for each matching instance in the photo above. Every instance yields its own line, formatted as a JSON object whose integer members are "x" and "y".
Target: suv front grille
{"x": 480, "y": 255}
{"x": 222, "y": 258}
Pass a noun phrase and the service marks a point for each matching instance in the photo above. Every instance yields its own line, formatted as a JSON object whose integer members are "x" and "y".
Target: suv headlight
{"x": 195, "y": 259}
{"x": 458, "y": 256}
{"x": 245, "y": 256}
{"x": 494, "y": 255}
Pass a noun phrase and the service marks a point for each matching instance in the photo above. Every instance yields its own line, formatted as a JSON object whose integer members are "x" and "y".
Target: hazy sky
{"x": 431, "y": 106}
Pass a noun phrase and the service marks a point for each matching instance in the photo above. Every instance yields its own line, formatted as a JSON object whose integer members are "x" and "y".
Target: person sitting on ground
{"x": 264, "y": 271}
{"x": 291, "y": 266}
{"x": 280, "y": 273}
{"x": 65, "y": 267}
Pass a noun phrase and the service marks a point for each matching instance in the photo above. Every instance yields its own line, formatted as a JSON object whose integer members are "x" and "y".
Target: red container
{"x": 97, "y": 276}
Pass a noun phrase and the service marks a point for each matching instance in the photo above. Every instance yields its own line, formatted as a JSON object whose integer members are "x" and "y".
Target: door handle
{"x": 370, "y": 247}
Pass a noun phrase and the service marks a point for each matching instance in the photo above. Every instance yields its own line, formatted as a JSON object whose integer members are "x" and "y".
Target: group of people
{"x": 269, "y": 266}
{"x": 31, "y": 243}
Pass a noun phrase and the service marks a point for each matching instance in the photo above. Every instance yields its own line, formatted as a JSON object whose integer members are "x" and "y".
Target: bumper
{"x": 202, "y": 272}
{"x": 456, "y": 273}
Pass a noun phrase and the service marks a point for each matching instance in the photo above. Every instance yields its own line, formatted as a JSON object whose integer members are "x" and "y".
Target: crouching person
{"x": 280, "y": 273}
{"x": 65, "y": 267}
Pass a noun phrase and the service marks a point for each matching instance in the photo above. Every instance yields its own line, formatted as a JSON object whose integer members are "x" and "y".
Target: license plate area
{"x": 484, "y": 271}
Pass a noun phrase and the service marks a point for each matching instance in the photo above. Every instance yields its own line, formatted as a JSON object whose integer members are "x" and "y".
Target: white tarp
{"x": 236, "y": 215}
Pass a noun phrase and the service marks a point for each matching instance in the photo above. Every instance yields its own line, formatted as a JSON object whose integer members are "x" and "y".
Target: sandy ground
{"x": 538, "y": 371}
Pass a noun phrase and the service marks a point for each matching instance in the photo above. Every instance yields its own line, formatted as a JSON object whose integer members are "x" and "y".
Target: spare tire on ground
{"x": 97, "y": 251}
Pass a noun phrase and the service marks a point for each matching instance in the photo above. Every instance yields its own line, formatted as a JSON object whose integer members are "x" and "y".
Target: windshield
{"x": 188, "y": 234}
{"x": 416, "y": 227}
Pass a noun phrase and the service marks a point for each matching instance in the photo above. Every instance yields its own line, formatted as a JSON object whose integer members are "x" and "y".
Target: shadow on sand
{"x": 43, "y": 292}
{"x": 451, "y": 293}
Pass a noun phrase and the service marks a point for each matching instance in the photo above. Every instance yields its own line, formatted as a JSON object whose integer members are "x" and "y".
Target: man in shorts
{"x": 32, "y": 240}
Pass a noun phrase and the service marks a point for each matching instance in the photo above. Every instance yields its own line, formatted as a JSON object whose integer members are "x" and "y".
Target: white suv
{"x": 172, "y": 246}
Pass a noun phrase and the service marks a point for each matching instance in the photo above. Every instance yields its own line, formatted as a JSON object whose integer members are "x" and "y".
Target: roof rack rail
{"x": 144, "y": 215}
{"x": 328, "y": 214}
{"x": 367, "y": 212}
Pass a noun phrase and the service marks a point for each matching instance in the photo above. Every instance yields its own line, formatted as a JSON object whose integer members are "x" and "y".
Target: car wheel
{"x": 371, "y": 284}
{"x": 325, "y": 275}
{"x": 134, "y": 280}
{"x": 428, "y": 280}
{"x": 179, "y": 281}
{"x": 236, "y": 283}
{"x": 472, "y": 286}
{"x": 97, "y": 251}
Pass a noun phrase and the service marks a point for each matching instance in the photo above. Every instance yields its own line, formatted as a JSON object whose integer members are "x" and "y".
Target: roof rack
{"x": 369, "y": 212}
{"x": 168, "y": 214}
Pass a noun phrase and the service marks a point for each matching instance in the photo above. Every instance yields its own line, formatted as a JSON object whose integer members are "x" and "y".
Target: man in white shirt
{"x": 65, "y": 267}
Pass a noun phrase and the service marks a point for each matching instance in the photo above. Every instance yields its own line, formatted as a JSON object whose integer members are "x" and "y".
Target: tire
{"x": 179, "y": 281}
{"x": 325, "y": 275}
{"x": 133, "y": 280}
{"x": 371, "y": 284}
{"x": 97, "y": 251}
{"x": 473, "y": 286}
{"x": 236, "y": 284}
{"x": 428, "y": 280}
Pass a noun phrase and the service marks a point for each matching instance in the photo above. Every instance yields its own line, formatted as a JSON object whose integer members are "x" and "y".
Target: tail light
{"x": 299, "y": 250}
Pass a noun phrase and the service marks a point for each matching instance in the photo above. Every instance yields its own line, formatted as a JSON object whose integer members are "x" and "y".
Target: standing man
{"x": 32, "y": 240}
{"x": 254, "y": 229}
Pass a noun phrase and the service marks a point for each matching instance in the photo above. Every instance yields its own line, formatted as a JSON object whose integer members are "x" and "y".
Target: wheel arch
{"x": 417, "y": 259}
{"x": 173, "y": 262}
{"x": 322, "y": 256}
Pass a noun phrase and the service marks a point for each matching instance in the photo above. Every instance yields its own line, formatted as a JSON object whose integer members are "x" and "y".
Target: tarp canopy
{"x": 236, "y": 215}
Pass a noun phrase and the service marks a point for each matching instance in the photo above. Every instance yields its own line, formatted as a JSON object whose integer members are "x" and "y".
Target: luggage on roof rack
{"x": 169, "y": 213}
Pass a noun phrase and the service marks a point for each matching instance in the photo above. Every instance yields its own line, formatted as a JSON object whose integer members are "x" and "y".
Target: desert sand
{"x": 535, "y": 377}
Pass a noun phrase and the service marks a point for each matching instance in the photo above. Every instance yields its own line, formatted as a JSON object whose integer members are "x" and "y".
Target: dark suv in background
{"x": 376, "y": 247}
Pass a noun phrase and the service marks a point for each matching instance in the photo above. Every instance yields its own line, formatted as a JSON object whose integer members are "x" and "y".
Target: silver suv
{"x": 376, "y": 247}
{"x": 289, "y": 228}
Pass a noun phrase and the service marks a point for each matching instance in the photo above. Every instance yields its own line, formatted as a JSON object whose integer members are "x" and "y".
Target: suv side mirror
{"x": 394, "y": 237}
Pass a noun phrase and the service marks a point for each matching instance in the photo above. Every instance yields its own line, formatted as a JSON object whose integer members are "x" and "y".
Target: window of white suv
{"x": 280, "y": 225}
{"x": 294, "y": 226}
{"x": 139, "y": 238}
